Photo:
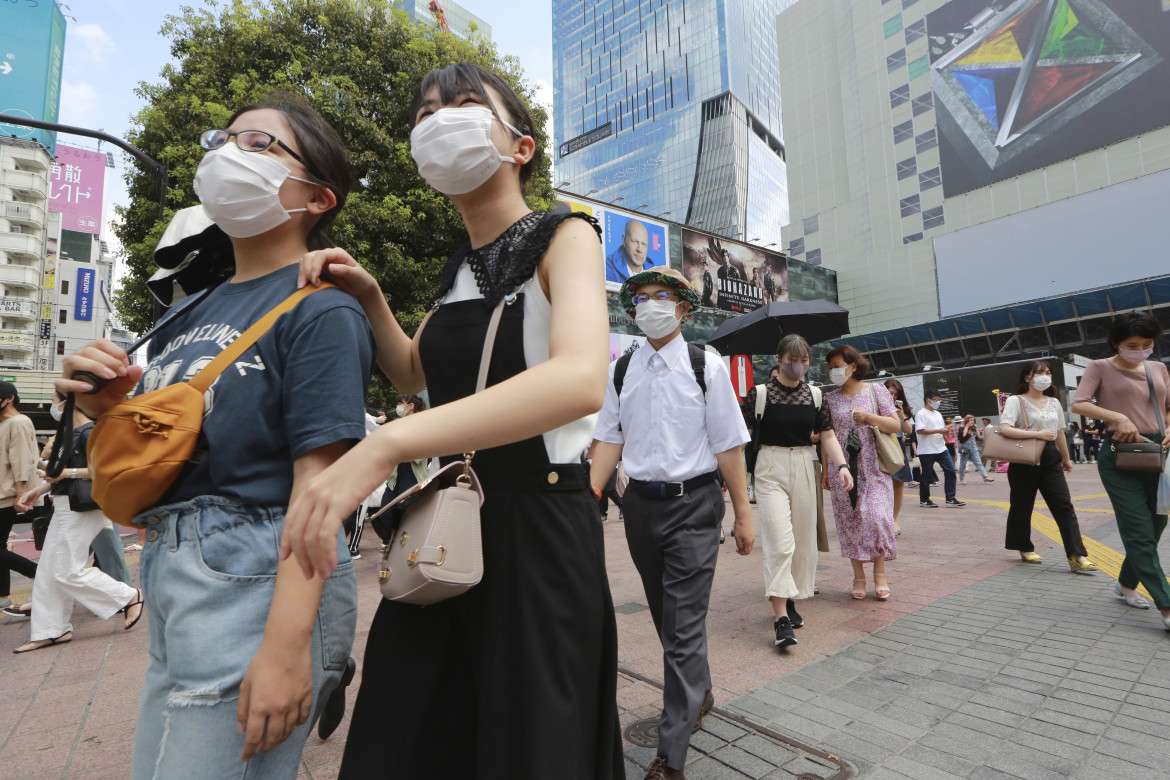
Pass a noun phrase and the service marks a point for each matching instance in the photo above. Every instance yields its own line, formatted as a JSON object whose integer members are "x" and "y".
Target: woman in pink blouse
{"x": 1118, "y": 390}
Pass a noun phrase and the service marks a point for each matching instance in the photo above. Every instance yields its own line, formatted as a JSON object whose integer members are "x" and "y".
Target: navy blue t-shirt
{"x": 300, "y": 387}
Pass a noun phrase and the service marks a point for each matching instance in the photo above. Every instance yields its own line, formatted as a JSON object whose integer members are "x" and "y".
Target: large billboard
{"x": 1040, "y": 81}
{"x": 77, "y": 184}
{"x": 632, "y": 244}
{"x": 731, "y": 276}
{"x": 32, "y": 50}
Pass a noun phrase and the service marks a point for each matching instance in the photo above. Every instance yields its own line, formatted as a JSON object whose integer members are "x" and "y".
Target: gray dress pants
{"x": 674, "y": 543}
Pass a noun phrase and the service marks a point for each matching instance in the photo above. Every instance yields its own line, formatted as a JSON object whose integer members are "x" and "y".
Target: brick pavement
{"x": 977, "y": 667}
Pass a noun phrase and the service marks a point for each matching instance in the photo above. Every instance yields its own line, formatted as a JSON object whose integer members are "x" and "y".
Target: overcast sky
{"x": 113, "y": 45}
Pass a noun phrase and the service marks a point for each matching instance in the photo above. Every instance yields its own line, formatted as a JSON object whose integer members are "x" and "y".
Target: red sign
{"x": 741, "y": 375}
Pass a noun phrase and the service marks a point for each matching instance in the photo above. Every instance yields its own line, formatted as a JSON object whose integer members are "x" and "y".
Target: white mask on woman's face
{"x": 1041, "y": 382}
{"x": 839, "y": 376}
{"x": 400, "y": 410}
{"x": 454, "y": 151}
{"x": 240, "y": 191}
{"x": 57, "y": 410}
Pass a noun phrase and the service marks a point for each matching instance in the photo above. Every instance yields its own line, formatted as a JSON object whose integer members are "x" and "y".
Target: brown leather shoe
{"x": 658, "y": 770}
{"x": 708, "y": 705}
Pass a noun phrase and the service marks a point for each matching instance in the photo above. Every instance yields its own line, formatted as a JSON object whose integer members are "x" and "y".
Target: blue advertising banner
{"x": 32, "y": 50}
{"x": 83, "y": 303}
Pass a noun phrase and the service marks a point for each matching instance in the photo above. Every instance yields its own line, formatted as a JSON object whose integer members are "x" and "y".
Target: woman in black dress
{"x": 516, "y": 677}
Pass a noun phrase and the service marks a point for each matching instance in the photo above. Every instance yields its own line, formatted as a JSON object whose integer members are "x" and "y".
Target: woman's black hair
{"x": 1134, "y": 323}
{"x": 321, "y": 148}
{"x": 467, "y": 78}
{"x": 899, "y": 394}
{"x": 1029, "y": 370}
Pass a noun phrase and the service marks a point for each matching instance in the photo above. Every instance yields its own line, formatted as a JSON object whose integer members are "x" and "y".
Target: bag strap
{"x": 489, "y": 343}
{"x": 206, "y": 377}
{"x": 761, "y": 400}
{"x": 1023, "y": 410}
{"x": 1154, "y": 401}
{"x": 699, "y": 366}
{"x": 818, "y": 396}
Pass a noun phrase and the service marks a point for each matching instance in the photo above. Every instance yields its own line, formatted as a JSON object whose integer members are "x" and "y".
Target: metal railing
{"x": 17, "y": 211}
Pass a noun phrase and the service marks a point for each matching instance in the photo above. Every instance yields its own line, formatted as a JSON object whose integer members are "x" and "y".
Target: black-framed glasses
{"x": 661, "y": 295}
{"x": 248, "y": 141}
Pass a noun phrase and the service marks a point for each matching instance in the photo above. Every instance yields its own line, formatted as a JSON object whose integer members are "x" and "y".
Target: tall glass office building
{"x": 672, "y": 108}
{"x": 447, "y": 15}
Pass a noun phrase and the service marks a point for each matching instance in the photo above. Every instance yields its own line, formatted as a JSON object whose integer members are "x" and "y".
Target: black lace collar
{"x": 502, "y": 266}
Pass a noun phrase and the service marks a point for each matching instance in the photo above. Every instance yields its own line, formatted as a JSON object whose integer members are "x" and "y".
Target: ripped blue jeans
{"x": 208, "y": 572}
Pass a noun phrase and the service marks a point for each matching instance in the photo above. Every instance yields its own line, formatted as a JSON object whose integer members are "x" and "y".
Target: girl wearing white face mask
{"x": 270, "y": 645}
{"x": 864, "y": 515}
{"x": 1035, "y": 413}
{"x": 531, "y": 649}
{"x": 1131, "y": 393}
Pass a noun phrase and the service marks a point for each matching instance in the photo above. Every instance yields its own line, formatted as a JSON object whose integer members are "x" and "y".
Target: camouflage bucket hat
{"x": 667, "y": 277}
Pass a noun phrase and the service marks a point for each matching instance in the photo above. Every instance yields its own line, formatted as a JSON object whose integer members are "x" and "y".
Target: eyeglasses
{"x": 248, "y": 141}
{"x": 661, "y": 295}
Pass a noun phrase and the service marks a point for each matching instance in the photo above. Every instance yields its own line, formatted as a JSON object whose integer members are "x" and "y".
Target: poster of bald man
{"x": 632, "y": 244}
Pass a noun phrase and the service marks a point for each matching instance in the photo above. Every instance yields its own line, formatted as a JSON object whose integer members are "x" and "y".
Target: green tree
{"x": 359, "y": 63}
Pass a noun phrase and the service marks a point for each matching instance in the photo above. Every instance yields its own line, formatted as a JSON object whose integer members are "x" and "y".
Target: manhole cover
{"x": 643, "y": 733}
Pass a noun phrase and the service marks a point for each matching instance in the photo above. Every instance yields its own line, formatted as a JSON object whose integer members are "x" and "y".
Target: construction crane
{"x": 440, "y": 15}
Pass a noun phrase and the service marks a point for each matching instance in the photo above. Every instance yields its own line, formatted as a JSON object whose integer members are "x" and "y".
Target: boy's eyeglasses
{"x": 661, "y": 295}
{"x": 248, "y": 141}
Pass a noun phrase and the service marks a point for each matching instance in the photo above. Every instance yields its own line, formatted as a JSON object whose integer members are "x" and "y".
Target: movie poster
{"x": 732, "y": 276}
{"x": 632, "y": 244}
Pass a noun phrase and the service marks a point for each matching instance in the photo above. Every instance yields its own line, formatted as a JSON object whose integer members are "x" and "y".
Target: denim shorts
{"x": 208, "y": 572}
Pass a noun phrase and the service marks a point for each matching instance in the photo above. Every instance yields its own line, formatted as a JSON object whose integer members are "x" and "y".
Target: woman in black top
{"x": 785, "y": 480}
{"x": 1092, "y": 440}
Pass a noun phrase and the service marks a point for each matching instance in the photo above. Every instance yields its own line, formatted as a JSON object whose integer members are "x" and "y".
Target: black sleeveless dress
{"x": 517, "y": 678}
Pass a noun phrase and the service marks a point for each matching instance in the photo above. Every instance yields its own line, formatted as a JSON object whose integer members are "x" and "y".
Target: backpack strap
{"x": 699, "y": 366}
{"x": 619, "y": 377}
{"x": 761, "y": 400}
{"x": 206, "y": 377}
{"x": 818, "y": 396}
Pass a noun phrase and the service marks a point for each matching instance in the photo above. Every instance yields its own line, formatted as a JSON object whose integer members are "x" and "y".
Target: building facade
{"x": 984, "y": 177}
{"x": 672, "y": 109}
{"x": 448, "y": 16}
{"x": 24, "y": 192}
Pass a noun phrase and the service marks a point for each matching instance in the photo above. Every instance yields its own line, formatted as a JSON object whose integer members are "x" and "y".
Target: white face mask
{"x": 656, "y": 318}
{"x": 1041, "y": 382}
{"x": 400, "y": 410}
{"x": 57, "y": 410}
{"x": 240, "y": 191}
{"x": 838, "y": 376}
{"x": 454, "y": 151}
{"x": 1135, "y": 355}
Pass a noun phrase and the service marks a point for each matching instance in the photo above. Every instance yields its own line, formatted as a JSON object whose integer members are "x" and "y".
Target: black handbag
{"x": 40, "y": 517}
{"x": 752, "y": 451}
{"x": 1145, "y": 455}
{"x": 78, "y": 491}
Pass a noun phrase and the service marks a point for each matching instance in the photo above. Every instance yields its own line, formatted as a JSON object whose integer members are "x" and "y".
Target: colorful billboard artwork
{"x": 83, "y": 298}
{"x": 32, "y": 50}
{"x": 632, "y": 244}
{"x": 732, "y": 276}
{"x": 1042, "y": 81}
{"x": 77, "y": 187}
{"x": 621, "y": 343}
{"x": 564, "y": 206}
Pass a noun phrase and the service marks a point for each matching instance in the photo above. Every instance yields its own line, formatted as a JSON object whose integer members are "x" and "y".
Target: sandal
{"x": 1031, "y": 557}
{"x": 858, "y": 593}
{"x": 28, "y": 647}
{"x": 881, "y": 588}
{"x": 135, "y": 602}
{"x": 18, "y": 610}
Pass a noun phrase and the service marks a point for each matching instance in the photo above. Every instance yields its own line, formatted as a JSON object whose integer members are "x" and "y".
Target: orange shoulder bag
{"x": 139, "y": 447}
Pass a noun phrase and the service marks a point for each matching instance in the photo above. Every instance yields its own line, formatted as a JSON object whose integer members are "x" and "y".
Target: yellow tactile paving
{"x": 1107, "y": 559}
{"x": 1091, "y": 495}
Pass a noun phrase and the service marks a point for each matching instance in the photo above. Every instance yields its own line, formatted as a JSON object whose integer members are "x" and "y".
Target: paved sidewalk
{"x": 978, "y": 667}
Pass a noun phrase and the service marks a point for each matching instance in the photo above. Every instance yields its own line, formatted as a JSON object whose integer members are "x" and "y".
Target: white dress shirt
{"x": 929, "y": 420}
{"x": 669, "y": 431}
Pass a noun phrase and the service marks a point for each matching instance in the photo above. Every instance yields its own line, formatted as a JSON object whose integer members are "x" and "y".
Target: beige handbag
{"x": 891, "y": 456}
{"x": 996, "y": 446}
{"x": 437, "y": 550}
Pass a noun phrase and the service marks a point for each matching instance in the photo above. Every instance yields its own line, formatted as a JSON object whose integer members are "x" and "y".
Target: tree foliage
{"x": 359, "y": 63}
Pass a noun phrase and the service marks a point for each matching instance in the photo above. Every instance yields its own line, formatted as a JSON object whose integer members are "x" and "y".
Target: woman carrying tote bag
{"x": 1122, "y": 386}
{"x": 1035, "y": 413}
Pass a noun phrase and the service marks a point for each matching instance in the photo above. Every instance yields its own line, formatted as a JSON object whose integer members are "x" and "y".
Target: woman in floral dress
{"x": 864, "y": 516}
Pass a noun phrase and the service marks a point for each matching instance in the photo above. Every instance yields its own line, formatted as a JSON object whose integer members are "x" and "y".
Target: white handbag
{"x": 437, "y": 550}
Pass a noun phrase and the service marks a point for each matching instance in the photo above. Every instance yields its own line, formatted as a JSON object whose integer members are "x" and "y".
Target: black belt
{"x": 671, "y": 489}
